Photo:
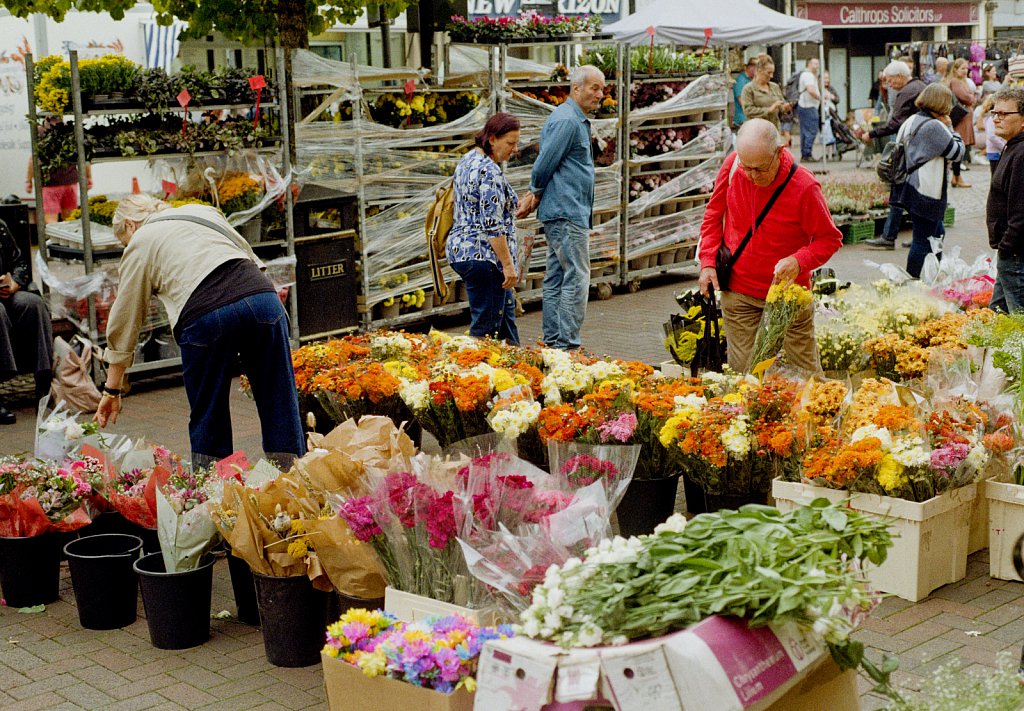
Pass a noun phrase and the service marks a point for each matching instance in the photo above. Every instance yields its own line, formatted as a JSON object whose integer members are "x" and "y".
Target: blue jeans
{"x": 892, "y": 223}
{"x": 1008, "y": 294}
{"x": 809, "y": 119}
{"x": 920, "y": 247}
{"x": 566, "y": 282}
{"x": 254, "y": 332}
{"x": 491, "y": 308}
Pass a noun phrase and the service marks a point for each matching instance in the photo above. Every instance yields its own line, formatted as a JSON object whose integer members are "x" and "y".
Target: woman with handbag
{"x": 481, "y": 246}
{"x": 223, "y": 311}
{"x": 930, "y": 142}
{"x": 961, "y": 115}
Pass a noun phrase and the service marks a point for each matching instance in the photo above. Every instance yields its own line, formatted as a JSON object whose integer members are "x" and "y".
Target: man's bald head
{"x": 757, "y": 144}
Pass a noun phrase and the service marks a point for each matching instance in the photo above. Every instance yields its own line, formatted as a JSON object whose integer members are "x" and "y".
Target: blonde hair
{"x": 954, "y": 68}
{"x": 136, "y": 208}
{"x": 936, "y": 98}
{"x": 763, "y": 61}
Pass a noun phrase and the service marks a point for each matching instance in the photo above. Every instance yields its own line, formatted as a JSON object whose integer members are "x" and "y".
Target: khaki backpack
{"x": 440, "y": 217}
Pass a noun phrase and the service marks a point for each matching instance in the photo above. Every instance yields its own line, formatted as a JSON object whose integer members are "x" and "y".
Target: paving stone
{"x": 36, "y": 703}
{"x": 962, "y": 623}
{"x": 1010, "y": 632}
{"x": 168, "y": 665}
{"x": 245, "y": 701}
{"x": 142, "y": 686}
{"x": 138, "y": 703}
{"x": 86, "y": 695}
{"x": 922, "y": 632}
{"x": 237, "y": 687}
{"x": 186, "y": 694}
{"x": 925, "y": 653}
{"x": 198, "y": 677}
{"x": 887, "y": 643}
{"x": 994, "y": 599}
{"x": 289, "y": 696}
{"x": 1003, "y": 614}
{"x": 50, "y": 683}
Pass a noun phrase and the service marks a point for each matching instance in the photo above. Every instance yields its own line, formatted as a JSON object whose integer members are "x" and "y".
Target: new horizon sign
{"x": 876, "y": 14}
{"x": 609, "y": 10}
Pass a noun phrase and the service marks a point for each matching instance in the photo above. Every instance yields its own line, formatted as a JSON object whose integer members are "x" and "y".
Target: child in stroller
{"x": 842, "y": 137}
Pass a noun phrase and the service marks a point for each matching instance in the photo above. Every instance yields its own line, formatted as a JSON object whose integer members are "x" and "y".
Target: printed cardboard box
{"x": 716, "y": 665}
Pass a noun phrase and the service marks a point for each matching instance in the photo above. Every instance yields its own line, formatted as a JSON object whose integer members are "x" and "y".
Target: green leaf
{"x": 31, "y": 610}
{"x": 834, "y": 517}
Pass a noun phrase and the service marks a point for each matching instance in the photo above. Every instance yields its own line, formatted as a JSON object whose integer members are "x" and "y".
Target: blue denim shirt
{"x": 563, "y": 175}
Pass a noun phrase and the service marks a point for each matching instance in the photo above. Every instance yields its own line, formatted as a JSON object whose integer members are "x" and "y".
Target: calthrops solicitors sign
{"x": 875, "y": 14}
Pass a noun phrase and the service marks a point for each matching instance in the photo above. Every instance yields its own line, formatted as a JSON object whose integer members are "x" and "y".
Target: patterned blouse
{"x": 485, "y": 208}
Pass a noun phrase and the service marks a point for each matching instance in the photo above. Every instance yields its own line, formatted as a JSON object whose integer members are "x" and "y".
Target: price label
{"x": 257, "y": 82}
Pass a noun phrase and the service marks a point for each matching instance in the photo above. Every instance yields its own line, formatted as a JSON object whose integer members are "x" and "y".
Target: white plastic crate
{"x": 930, "y": 538}
{"x": 1006, "y": 525}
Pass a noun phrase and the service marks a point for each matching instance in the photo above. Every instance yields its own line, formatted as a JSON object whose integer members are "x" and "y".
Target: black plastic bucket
{"x": 244, "y": 588}
{"x": 646, "y": 503}
{"x": 694, "y": 494}
{"x": 106, "y": 586}
{"x": 150, "y": 540}
{"x": 108, "y": 522}
{"x": 338, "y": 605}
{"x": 30, "y": 569}
{"x": 720, "y": 502}
{"x": 177, "y": 604}
{"x": 294, "y": 618}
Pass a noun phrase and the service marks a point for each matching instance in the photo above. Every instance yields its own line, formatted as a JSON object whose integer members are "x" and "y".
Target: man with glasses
{"x": 790, "y": 239}
{"x": 1005, "y": 210}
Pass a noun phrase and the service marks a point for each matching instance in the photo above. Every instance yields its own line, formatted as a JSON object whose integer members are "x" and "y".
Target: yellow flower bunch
{"x": 891, "y": 474}
{"x": 789, "y": 293}
{"x": 54, "y": 87}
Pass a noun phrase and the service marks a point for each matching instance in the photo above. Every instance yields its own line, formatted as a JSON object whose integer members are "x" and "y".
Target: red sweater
{"x": 799, "y": 224}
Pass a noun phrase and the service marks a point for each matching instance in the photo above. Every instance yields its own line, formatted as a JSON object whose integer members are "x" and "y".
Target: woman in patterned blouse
{"x": 481, "y": 246}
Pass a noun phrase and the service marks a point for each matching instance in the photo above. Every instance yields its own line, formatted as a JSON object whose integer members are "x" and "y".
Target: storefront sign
{"x": 852, "y": 14}
{"x": 609, "y": 10}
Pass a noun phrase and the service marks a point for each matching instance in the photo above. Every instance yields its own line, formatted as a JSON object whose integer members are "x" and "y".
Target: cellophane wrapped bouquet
{"x": 39, "y": 496}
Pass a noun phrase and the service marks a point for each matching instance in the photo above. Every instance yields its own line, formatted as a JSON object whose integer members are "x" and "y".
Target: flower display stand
{"x": 1005, "y": 526}
{"x": 345, "y": 684}
{"x": 930, "y": 538}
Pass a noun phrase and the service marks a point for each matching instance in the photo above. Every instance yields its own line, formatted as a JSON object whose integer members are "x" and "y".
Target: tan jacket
{"x": 168, "y": 259}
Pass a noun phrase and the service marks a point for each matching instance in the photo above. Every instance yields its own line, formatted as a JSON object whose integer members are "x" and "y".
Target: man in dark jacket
{"x": 1005, "y": 210}
{"x": 897, "y": 74}
{"x": 26, "y": 340}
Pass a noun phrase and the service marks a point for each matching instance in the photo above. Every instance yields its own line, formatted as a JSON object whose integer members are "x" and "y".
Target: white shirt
{"x": 807, "y": 101}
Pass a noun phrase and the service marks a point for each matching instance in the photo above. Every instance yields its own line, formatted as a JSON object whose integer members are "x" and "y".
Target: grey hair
{"x": 579, "y": 74}
{"x": 136, "y": 208}
{"x": 1016, "y": 95}
{"x": 897, "y": 68}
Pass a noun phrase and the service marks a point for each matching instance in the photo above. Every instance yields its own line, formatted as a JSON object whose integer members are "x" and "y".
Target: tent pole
{"x": 821, "y": 102}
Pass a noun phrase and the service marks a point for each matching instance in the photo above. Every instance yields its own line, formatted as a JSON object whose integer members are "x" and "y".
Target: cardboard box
{"x": 348, "y": 689}
{"x": 716, "y": 665}
{"x": 412, "y": 608}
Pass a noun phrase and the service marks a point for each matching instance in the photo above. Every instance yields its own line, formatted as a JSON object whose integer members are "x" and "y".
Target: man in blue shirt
{"x": 562, "y": 191}
{"x": 742, "y": 79}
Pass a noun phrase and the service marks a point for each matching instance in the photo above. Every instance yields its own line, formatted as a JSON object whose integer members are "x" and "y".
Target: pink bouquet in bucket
{"x": 38, "y": 497}
{"x": 580, "y": 465}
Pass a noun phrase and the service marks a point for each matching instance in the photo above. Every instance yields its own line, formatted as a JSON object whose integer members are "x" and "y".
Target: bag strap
{"x": 230, "y": 234}
{"x": 907, "y": 139}
{"x": 760, "y": 218}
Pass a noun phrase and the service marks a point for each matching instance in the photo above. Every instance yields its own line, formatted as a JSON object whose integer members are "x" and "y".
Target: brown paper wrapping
{"x": 351, "y": 565}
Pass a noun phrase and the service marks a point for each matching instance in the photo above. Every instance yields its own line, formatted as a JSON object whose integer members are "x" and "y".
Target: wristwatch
{"x": 113, "y": 392}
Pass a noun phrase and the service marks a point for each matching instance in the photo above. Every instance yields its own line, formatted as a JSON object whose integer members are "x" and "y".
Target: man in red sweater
{"x": 796, "y": 237}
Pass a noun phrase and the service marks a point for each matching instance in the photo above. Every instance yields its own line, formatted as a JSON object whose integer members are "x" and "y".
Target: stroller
{"x": 845, "y": 141}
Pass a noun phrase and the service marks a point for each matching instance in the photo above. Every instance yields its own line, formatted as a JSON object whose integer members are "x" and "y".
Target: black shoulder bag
{"x": 726, "y": 259}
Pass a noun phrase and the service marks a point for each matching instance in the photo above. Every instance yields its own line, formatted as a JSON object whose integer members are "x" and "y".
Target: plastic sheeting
{"x": 397, "y": 169}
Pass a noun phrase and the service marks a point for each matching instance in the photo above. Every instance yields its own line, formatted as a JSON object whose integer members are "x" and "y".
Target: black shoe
{"x": 6, "y": 416}
{"x": 906, "y": 243}
{"x": 880, "y": 243}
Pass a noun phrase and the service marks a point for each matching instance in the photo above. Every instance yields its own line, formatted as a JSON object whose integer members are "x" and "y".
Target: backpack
{"x": 791, "y": 92}
{"x": 892, "y": 166}
{"x": 440, "y": 218}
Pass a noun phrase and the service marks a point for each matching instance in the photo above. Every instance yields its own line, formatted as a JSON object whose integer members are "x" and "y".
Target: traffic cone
{"x": 135, "y": 186}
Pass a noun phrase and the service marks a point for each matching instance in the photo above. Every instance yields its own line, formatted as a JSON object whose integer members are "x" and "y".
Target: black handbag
{"x": 957, "y": 113}
{"x": 725, "y": 259}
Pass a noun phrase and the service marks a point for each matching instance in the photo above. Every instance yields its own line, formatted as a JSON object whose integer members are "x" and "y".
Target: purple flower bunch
{"x": 947, "y": 458}
{"x": 584, "y": 469}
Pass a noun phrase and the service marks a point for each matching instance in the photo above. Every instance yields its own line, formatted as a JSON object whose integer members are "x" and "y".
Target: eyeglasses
{"x": 768, "y": 166}
{"x": 1000, "y": 115}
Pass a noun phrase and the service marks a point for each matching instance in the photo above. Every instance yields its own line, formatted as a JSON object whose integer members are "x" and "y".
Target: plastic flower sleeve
{"x": 579, "y": 465}
{"x": 185, "y": 527}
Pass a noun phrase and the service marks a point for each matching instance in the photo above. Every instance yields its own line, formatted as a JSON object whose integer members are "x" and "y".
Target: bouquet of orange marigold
{"x": 783, "y": 304}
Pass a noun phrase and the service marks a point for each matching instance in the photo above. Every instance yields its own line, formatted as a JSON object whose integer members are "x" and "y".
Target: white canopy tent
{"x": 732, "y": 22}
